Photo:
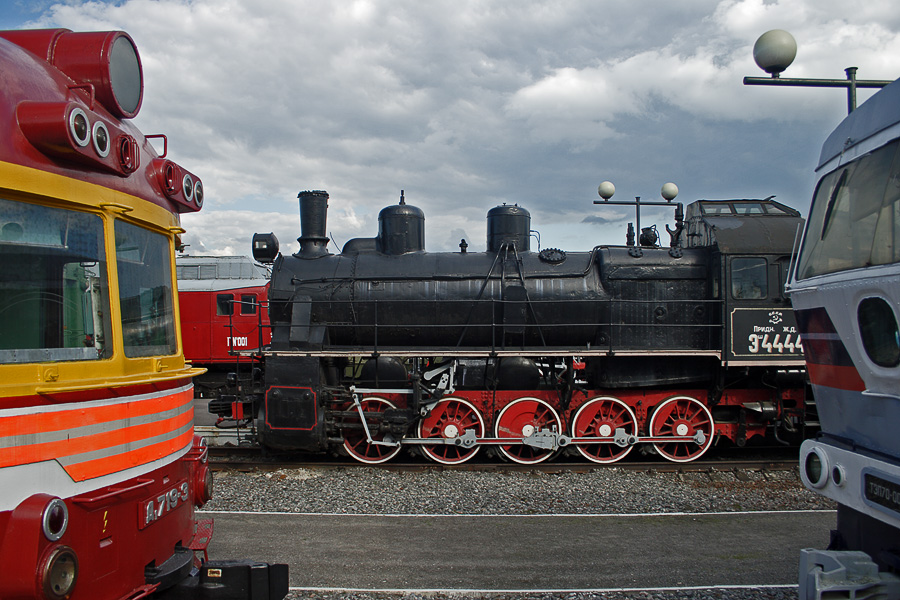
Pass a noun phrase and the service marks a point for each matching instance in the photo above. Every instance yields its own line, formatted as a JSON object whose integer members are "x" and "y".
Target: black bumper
{"x": 231, "y": 580}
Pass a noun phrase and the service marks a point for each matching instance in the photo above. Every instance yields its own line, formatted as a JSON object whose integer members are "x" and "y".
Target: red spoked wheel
{"x": 521, "y": 418}
{"x": 450, "y": 419}
{"x": 682, "y": 416}
{"x": 357, "y": 444}
{"x": 601, "y": 417}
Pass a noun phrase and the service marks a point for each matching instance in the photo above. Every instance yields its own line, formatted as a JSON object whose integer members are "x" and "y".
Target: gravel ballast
{"x": 367, "y": 490}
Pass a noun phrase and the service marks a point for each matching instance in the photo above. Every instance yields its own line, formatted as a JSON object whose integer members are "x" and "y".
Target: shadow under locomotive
{"x": 386, "y": 346}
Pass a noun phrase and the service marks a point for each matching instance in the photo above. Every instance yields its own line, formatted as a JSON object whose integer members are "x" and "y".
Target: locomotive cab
{"x": 752, "y": 242}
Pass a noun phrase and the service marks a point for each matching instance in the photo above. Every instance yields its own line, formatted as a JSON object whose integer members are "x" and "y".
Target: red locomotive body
{"x": 100, "y": 472}
{"x": 224, "y": 312}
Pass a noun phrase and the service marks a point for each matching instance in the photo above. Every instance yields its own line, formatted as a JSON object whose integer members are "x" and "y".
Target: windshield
{"x": 144, "y": 266}
{"x": 854, "y": 220}
{"x": 54, "y": 295}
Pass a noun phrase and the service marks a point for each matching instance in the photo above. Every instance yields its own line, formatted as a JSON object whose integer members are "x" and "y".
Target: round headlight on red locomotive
{"x": 198, "y": 193}
{"x": 109, "y": 61}
{"x": 203, "y": 485}
{"x": 106, "y": 61}
{"x": 55, "y": 519}
{"x": 79, "y": 127}
{"x": 100, "y": 135}
{"x": 59, "y": 572}
{"x": 187, "y": 187}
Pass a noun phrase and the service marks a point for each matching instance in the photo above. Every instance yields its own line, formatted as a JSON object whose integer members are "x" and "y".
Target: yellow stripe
{"x": 64, "y": 192}
{"x": 49, "y": 189}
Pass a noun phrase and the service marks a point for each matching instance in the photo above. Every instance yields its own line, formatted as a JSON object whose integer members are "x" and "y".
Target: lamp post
{"x": 775, "y": 50}
{"x": 668, "y": 192}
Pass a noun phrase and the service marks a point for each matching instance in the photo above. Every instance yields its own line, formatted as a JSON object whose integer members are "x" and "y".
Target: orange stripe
{"x": 103, "y": 466}
{"x": 31, "y": 453}
{"x": 64, "y": 419}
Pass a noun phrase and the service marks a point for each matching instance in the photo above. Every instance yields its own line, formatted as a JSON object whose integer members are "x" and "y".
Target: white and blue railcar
{"x": 845, "y": 290}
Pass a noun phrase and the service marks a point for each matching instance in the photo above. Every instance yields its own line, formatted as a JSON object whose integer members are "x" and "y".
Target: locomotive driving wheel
{"x": 357, "y": 444}
{"x": 520, "y": 419}
{"x": 451, "y": 418}
{"x": 601, "y": 417}
{"x": 682, "y": 416}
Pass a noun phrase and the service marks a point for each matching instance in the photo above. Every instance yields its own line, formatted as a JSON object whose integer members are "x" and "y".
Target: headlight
{"x": 203, "y": 485}
{"x": 59, "y": 573}
{"x": 55, "y": 519}
{"x": 815, "y": 467}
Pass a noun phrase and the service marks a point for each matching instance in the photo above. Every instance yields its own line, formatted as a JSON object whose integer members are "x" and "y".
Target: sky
{"x": 469, "y": 104}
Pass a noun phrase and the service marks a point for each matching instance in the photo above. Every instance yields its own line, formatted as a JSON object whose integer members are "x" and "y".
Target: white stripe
{"x": 531, "y": 516}
{"x": 47, "y": 409}
{"x": 48, "y": 477}
{"x": 692, "y": 588}
{"x": 129, "y": 446}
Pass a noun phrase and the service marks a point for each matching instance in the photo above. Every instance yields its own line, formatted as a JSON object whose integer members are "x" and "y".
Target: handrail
{"x": 112, "y": 493}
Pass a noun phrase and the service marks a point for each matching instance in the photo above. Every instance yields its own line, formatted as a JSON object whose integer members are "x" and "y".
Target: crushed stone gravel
{"x": 368, "y": 490}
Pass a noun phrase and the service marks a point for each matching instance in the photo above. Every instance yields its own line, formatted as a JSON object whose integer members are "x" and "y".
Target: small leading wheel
{"x": 357, "y": 444}
{"x": 522, "y": 418}
{"x": 600, "y": 417}
{"x": 682, "y": 416}
{"x": 450, "y": 419}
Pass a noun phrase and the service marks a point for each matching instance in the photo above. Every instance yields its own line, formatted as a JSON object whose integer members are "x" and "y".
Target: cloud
{"x": 467, "y": 104}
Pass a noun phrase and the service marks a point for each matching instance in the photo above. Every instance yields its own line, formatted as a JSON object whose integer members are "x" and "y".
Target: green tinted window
{"x": 54, "y": 297}
{"x": 144, "y": 266}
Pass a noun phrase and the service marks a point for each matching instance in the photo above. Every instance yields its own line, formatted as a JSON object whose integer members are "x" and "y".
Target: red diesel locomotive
{"x": 224, "y": 315}
{"x": 100, "y": 471}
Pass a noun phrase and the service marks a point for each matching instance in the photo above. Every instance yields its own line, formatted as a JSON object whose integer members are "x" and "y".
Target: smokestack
{"x": 313, "y": 214}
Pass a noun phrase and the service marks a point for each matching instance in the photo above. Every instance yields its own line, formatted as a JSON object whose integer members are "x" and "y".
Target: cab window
{"x": 248, "y": 304}
{"x": 749, "y": 279}
{"x": 54, "y": 293}
{"x": 144, "y": 266}
{"x": 224, "y": 304}
{"x": 854, "y": 221}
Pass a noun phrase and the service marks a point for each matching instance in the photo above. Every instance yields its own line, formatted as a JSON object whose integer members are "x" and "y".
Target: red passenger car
{"x": 100, "y": 472}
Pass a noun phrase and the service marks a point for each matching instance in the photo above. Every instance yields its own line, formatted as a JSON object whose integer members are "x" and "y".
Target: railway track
{"x": 247, "y": 458}
{"x": 233, "y": 449}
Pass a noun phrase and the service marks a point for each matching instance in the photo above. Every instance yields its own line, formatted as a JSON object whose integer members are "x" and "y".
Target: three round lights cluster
{"x": 60, "y": 569}
{"x": 191, "y": 189}
{"x": 85, "y": 134}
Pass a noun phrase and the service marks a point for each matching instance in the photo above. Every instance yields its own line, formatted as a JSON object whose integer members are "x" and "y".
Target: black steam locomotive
{"x": 530, "y": 353}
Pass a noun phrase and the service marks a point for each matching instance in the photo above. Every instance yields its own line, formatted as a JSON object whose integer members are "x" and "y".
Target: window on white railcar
{"x": 54, "y": 296}
{"x": 879, "y": 331}
{"x": 854, "y": 221}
